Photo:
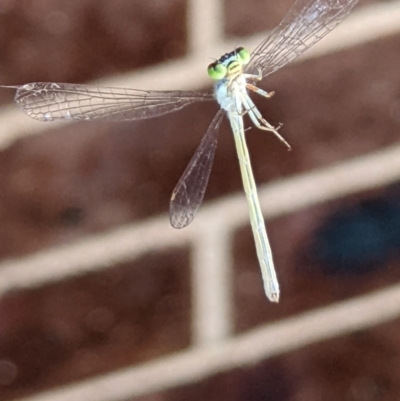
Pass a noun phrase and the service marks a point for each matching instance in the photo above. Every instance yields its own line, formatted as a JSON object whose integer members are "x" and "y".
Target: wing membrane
{"x": 307, "y": 22}
{"x": 189, "y": 192}
{"x": 48, "y": 101}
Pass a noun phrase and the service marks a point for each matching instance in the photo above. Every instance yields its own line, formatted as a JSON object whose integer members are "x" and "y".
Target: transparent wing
{"x": 307, "y": 22}
{"x": 189, "y": 192}
{"x": 48, "y": 101}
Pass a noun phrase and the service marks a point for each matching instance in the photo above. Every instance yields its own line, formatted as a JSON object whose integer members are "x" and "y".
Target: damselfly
{"x": 236, "y": 75}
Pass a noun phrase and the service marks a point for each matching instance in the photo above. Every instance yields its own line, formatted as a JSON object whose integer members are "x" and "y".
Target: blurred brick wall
{"x": 88, "y": 178}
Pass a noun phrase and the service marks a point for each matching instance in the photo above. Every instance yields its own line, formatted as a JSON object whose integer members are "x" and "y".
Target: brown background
{"x": 87, "y": 178}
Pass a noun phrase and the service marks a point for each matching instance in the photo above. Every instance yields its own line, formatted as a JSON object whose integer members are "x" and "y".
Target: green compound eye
{"x": 216, "y": 71}
{"x": 243, "y": 54}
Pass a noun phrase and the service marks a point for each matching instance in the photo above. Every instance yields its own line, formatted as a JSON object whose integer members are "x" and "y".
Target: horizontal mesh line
{"x": 127, "y": 243}
{"x": 93, "y": 253}
{"x": 269, "y": 340}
